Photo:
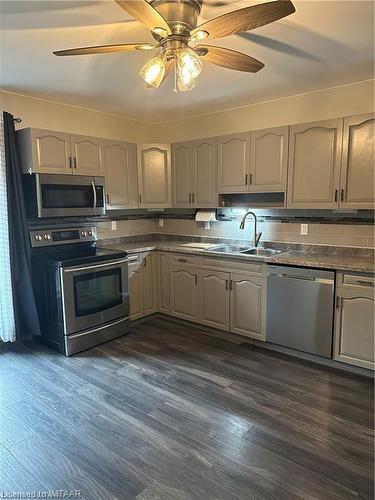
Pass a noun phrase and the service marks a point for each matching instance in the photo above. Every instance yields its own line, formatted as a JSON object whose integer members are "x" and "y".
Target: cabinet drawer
{"x": 184, "y": 259}
{"x": 358, "y": 280}
{"x": 234, "y": 265}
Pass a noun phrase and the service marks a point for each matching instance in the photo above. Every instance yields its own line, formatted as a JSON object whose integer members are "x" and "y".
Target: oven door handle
{"x": 94, "y": 194}
{"x": 98, "y": 266}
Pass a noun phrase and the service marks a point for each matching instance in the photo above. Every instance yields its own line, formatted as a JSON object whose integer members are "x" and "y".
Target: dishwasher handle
{"x": 312, "y": 279}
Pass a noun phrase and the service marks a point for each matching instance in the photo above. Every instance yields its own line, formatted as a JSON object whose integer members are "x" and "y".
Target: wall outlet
{"x": 161, "y": 223}
{"x": 304, "y": 229}
{"x": 113, "y": 225}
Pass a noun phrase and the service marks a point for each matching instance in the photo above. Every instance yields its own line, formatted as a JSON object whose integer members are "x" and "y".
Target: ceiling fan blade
{"x": 245, "y": 19}
{"x": 228, "y": 58}
{"x": 147, "y": 15}
{"x": 104, "y": 49}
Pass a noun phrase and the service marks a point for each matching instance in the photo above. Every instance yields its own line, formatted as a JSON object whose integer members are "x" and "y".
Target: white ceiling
{"x": 325, "y": 43}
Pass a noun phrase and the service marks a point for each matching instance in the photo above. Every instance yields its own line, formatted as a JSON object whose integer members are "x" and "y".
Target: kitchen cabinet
{"x": 87, "y": 155}
{"x": 314, "y": 164}
{"x": 44, "y": 151}
{"x": 233, "y": 157}
{"x": 154, "y": 176}
{"x": 184, "y": 293}
{"x": 194, "y": 174}
{"x": 183, "y": 174}
{"x": 47, "y": 151}
{"x": 268, "y": 160}
{"x": 357, "y": 166}
{"x": 163, "y": 281}
{"x": 248, "y": 306}
{"x": 120, "y": 166}
{"x": 142, "y": 285}
{"x": 214, "y": 299}
{"x": 354, "y": 322}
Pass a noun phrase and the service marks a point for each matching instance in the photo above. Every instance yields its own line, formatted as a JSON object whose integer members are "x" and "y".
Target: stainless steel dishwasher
{"x": 300, "y": 305}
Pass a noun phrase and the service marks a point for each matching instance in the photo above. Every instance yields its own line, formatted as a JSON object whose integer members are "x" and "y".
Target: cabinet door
{"x": 183, "y": 174}
{"x": 120, "y": 162}
{"x": 87, "y": 155}
{"x": 233, "y": 153}
{"x": 268, "y": 160}
{"x": 214, "y": 299}
{"x": 354, "y": 330}
{"x": 150, "y": 299}
{"x": 314, "y": 164}
{"x": 248, "y": 302}
{"x": 163, "y": 282}
{"x": 357, "y": 167}
{"x": 45, "y": 151}
{"x": 205, "y": 170}
{"x": 136, "y": 291}
{"x": 184, "y": 293}
{"x": 154, "y": 172}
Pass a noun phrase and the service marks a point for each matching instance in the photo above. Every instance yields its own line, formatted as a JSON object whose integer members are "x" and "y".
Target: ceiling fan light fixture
{"x": 200, "y": 35}
{"x": 153, "y": 71}
{"x": 189, "y": 64}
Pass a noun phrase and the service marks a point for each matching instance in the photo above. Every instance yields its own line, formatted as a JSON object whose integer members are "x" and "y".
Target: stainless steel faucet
{"x": 256, "y": 236}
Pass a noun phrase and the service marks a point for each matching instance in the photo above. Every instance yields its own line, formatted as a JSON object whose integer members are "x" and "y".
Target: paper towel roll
{"x": 205, "y": 216}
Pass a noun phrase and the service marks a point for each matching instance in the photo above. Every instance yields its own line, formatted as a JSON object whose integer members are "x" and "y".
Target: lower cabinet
{"x": 214, "y": 299}
{"x": 248, "y": 306}
{"x": 354, "y": 330}
{"x": 142, "y": 285}
{"x": 184, "y": 293}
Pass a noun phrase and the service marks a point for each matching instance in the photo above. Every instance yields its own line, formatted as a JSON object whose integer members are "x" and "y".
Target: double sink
{"x": 237, "y": 249}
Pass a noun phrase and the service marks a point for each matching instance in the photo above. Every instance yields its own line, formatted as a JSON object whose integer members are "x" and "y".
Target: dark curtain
{"x": 25, "y": 312}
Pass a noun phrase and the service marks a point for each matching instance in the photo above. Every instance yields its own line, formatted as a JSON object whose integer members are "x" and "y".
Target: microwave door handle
{"x": 94, "y": 194}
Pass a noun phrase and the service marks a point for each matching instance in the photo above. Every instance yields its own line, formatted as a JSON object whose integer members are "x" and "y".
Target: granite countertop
{"x": 333, "y": 258}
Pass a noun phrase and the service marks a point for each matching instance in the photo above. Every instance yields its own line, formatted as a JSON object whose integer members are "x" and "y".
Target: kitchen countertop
{"x": 338, "y": 260}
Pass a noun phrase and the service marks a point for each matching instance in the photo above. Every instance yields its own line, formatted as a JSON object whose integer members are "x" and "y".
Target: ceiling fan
{"x": 173, "y": 24}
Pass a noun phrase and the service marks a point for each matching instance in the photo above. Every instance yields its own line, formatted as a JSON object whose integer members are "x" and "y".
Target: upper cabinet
{"x": 314, "y": 164}
{"x": 268, "y": 160}
{"x": 154, "y": 176}
{"x": 357, "y": 166}
{"x": 194, "y": 174}
{"x": 47, "y": 151}
{"x": 87, "y": 155}
{"x": 120, "y": 166}
{"x": 233, "y": 154}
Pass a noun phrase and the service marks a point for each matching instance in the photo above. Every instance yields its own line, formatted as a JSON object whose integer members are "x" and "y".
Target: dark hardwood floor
{"x": 174, "y": 412}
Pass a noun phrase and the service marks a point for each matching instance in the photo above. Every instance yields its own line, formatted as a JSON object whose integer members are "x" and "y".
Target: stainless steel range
{"x": 81, "y": 290}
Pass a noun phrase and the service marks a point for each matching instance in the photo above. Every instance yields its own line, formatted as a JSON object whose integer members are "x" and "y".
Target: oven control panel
{"x": 49, "y": 237}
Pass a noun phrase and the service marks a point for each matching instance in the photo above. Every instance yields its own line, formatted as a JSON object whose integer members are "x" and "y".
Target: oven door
{"x": 65, "y": 195}
{"x": 94, "y": 294}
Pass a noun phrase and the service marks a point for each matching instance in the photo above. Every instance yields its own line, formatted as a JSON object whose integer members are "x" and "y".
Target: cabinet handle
{"x": 231, "y": 284}
{"x": 140, "y": 198}
{"x": 75, "y": 162}
{"x": 366, "y": 283}
{"x": 246, "y": 179}
{"x": 336, "y": 194}
{"x": 107, "y": 198}
{"x": 145, "y": 262}
{"x": 226, "y": 285}
{"x": 196, "y": 279}
{"x": 182, "y": 260}
{"x": 342, "y": 195}
{"x": 193, "y": 197}
{"x": 251, "y": 179}
{"x": 189, "y": 197}
{"x": 70, "y": 162}
{"x": 338, "y": 302}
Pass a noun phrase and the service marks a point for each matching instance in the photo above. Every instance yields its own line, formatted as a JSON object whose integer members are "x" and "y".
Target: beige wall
{"x": 323, "y": 104}
{"x": 55, "y": 116}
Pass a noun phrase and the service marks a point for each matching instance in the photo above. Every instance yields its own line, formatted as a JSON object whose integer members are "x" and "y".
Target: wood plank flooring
{"x": 173, "y": 412}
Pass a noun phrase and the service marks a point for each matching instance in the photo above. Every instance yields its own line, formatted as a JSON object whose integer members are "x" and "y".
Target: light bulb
{"x": 189, "y": 63}
{"x": 153, "y": 71}
{"x": 185, "y": 82}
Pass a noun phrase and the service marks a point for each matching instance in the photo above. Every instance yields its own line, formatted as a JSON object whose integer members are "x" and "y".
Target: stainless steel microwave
{"x": 58, "y": 195}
